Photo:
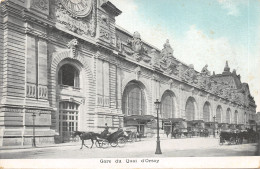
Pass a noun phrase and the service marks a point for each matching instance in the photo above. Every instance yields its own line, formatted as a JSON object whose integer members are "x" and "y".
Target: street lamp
{"x": 33, "y": 117}
{"x": 214, "y": 118}
{"x": 33, "y": 139}
{"x": 158, "y": 147}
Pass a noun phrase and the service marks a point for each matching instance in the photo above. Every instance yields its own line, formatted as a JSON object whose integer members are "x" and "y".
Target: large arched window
{"x": 134, "y": 100}
{"x": 219, "y": 114}
{"x": 190, "y": 109}
{"x": 68, "y": 76}
{"x": 228, "y": 114}
{"x": 206, "y": 112}
{"x": 167, "y": 107}
{"x": 236, "y": 117}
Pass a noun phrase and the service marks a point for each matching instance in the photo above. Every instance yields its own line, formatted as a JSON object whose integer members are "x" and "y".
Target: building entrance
{"x": 68, "y": 120}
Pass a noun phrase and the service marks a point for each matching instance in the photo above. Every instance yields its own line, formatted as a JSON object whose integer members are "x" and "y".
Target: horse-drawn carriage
{"x": 118, "y": 138}
{"x": 237, "y": 137}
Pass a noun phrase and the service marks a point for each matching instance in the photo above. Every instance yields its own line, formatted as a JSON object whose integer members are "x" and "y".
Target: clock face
{"x": 78, "y": 8}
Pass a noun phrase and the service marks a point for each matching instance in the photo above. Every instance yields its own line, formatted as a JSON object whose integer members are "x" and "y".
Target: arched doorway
{"x": 168, "y": 105}
{"x": 68, "y": 119}
{"x": 68, "y": 102}
{"x": 228, "y": 114}
{"x": 134, "y": 106}
{"x": 190, "y": 109}
{"x": 219, "y": 114}
{"x": 206, "y": 112}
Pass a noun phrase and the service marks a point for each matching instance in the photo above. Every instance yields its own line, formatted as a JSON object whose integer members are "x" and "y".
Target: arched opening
{"x": 236, "y": 117}
{"x": 68, "y": 76}
{"x": 168, "y": 105}
{"x": 206, "y": 112}
{"x": 190, "y": 109}
{"x": 68, "y": 119}
{"x": 228, "y": 114}
{"x": 219, "y": 114}
{"x": 134, "y": 102}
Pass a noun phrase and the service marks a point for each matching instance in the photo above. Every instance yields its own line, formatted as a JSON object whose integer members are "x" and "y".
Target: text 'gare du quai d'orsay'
{"x": 69, "y": 64}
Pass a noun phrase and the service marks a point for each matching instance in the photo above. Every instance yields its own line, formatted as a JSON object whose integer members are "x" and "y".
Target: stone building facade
{"x": 67, "y": 62}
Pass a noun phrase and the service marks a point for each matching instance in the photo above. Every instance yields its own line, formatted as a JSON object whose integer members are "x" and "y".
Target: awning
{"x": 223, "y": 126}
{"x": 173, "y": 120}
{"x": 140, "y": 118}
{"x": 240, "y": 126}
{"x": 232, "y": 126}
{"x": 252, "y": 122}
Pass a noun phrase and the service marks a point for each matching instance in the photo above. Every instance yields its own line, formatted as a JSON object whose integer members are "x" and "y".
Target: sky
{"x": 201, "y": 32}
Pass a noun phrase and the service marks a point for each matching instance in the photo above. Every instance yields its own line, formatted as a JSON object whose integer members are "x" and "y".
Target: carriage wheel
{"x": 121, "y": 142}
{"x": 114, "y": 143}
{"x": 98, "y": 144}
{"x": 221, "y": 141}
{"x": 231, "y": 140}
{"x": 104, "y": 144}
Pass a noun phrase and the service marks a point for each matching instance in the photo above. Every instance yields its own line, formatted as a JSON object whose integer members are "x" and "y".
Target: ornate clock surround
{"x": 78, "y": 8}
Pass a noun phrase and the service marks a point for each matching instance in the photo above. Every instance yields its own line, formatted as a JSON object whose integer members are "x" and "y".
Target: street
{"x": 187, "y": 147}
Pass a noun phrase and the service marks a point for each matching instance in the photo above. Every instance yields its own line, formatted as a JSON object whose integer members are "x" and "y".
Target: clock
{"x": 77, "y": 8}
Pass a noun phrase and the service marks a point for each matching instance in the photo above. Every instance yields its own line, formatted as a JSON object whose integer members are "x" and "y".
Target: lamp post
{"x": 214, "y": 118}
{"x": 33, "y": 139}
{"x": 158, "y": 147}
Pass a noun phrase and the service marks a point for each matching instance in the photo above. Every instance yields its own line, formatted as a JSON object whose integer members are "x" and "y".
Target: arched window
{"x": 219, "y": 114}
{"x": 236, "y": 117}
{"x": 190, "y": 109}
{"x": 167, "y": 107}
{"x": 206, "y": 112}
{"x": 68, "y": 76}
{"x": 134, "y": 100}
{"x": 228, "y": 115}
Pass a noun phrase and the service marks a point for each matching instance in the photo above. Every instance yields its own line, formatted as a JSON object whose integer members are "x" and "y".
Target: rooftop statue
{"x": 205, "y": 71}
{"x": 167, "y": 51}
{"x": 168, "y": 62}
{"x": 137, "y": 46}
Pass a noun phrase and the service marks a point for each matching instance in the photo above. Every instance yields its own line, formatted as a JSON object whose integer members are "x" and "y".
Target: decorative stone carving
{"x": 106, "y": 36}
{"x": 204, "y": 82}
{"x": 36, "y": 32}
{"x": 78, "y": 8}
{"x": 137, "y": 48}
{"x": 40, "y": 5}
{"x": 155, "y": 58}
{"x": 78, "y": 22}
{"x": 167, "y": 51}
{"x": 168, "y": 62}
{"x": 72, "y": 46}
{"x": 31, "y": 90}
{"x": 156, "y": 77}
{"x": 190, "y": 75}
{"x": 119, "y": 44}
{"x": 179, "y": 70}
{"x": 137, "y": 72}
{"x": 43, "y": 92}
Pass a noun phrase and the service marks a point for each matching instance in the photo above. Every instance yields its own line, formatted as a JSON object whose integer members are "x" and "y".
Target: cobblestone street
{"x": 188, "y": 147}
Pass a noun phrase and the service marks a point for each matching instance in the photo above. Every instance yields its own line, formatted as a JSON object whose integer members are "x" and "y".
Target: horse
{"x": 86, "y": 136}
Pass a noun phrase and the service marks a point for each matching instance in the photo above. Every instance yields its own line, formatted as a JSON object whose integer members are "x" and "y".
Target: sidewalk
{"x": 28, "y": 147}
{"x": 38, "y": 146}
